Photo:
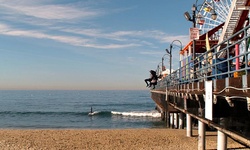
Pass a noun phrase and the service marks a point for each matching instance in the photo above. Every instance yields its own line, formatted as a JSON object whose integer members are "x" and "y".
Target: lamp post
{"x": 194, "y": 42}
{"x": 170, "y": 54}
{"x": 158, "y": 68}
{"x": 194, "y": 9}
{"x": 201, "y": 126}
{"x": 193, "y": 20}
{"x": 162, "y": 61}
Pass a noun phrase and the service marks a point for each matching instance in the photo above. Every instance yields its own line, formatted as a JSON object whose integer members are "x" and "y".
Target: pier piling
{"x": 201, "y": 136}
{"x": 189, "y": 125}
{"x": 181, "y": 120}
{"x": 221, "y": 137}
{"x": 176, "y": 120}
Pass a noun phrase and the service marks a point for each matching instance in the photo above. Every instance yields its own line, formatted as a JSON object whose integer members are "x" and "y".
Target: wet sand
{"x": 105, "y": 139}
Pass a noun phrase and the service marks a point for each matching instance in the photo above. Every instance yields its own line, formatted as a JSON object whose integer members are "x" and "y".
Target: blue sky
{"x": 87, "y": 44}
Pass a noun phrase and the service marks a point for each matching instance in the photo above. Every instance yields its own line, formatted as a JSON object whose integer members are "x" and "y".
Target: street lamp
{"x": 193, "y": 20}
{"x": 170, "y": 53}
{"x": 162, "y": 61}
{"x": 158, "y": 68}
{"x": 194, "y": 9}
{"x": 188, "y": 17}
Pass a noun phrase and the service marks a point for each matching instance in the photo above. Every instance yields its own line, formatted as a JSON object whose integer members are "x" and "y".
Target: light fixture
{"x": 193, "y": 7}
{"x": 207, "y": 9}
{"x": 187, "y": 16}
{"x": 167, "y": 51}
{"x": 199, "y": 15}
{"x": 213, "y": 14}
{"x": 200, "y": 19}
{"x": 201, "y": 22}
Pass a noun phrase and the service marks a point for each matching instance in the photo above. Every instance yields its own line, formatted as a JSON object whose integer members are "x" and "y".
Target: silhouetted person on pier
{"x": 152, "y": 80}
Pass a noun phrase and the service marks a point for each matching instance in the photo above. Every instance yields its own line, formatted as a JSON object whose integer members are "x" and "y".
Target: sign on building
{"x": 194, "y": 33}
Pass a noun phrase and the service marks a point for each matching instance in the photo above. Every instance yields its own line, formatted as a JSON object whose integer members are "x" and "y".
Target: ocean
{"x": 57, "y": 109}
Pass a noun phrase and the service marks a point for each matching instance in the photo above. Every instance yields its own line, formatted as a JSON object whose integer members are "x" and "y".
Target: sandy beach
{"x": 105, "y": 139}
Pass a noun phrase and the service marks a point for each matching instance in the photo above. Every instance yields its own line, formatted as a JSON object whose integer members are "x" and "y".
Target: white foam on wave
{"x": 154, "y": 114}
{"x": 93, "y": 113}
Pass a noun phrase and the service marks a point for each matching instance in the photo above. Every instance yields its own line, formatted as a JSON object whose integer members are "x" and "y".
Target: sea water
{"x": 70, "y": 109}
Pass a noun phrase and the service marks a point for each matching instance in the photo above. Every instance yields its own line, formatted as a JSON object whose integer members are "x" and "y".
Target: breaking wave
{"x": 154, "y": 114}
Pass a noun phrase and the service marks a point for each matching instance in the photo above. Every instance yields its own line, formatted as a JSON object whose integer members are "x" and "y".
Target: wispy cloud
{"x": 7, "y": 30}
{"x": 44, "y": 20}
{"x": 127, "y": 35}
{"x": 77, "y": 41}
{"x": 48, "y": 11}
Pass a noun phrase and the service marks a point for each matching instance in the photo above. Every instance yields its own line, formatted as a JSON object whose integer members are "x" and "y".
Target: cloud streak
{"x": 52, "y": 21}
{"x": 48, "y": 11}
{"x": 72, "y": 40}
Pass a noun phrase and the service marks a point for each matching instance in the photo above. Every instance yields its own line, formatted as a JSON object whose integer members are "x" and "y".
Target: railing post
{"x": 237, "y": 65}
{"x": 167, "y": 115}
{"x": 237, "y": 61}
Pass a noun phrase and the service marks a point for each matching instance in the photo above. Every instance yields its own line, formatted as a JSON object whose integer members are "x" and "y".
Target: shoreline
{"x": 95, "y": 139}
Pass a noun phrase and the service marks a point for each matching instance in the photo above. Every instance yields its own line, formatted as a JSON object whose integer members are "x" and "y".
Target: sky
{"x": 87, "y": 44}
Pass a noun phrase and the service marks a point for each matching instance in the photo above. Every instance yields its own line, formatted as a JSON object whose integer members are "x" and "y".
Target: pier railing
{"x": 208, "y": 66}
{"x": 184, "y": 89}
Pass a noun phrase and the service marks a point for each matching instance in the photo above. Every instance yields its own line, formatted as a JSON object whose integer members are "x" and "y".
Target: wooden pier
{"x": 230, "y": 119}
{"x": 211, "y": 88}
